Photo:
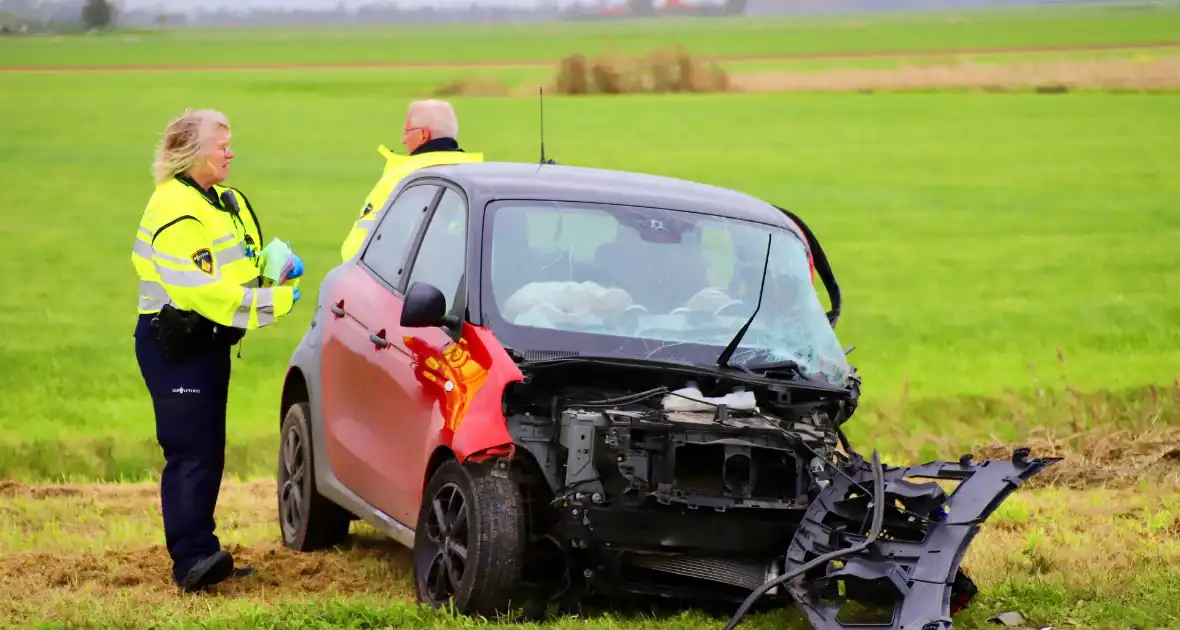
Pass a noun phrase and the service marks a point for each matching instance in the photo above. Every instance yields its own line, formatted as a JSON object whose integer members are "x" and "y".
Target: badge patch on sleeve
{"x": 203, "y": 258}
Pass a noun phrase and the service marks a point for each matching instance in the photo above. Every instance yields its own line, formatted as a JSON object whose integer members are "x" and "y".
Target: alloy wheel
{"x": 291, "y": 497}
{"x": 445, "y": 551}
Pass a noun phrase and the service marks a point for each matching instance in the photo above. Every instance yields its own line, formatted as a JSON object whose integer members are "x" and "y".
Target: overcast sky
{"x": 188, "y": 5}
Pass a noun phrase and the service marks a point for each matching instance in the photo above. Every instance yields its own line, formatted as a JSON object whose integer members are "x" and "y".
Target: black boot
{"x": 209, "y": 571}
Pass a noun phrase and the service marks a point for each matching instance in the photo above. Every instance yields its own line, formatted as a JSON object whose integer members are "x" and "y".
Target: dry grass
{"x": 1106, "y": 457}
{"x": 64, "y": 545}
{"x": 69, "y": 555}
{"x": 1108, "y": 439}
{"x": 674, "y": 70}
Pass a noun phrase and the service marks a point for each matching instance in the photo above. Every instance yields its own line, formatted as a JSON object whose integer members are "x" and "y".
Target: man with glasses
{"x": 430, "y": 136}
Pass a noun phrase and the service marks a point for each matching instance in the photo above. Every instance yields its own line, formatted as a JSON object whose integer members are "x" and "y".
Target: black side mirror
{"x": 425, "y": 306}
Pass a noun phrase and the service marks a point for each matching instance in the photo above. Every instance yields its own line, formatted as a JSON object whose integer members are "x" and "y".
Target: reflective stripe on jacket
{"x": 201, "y": 256}
{"x": 396, "y": 167}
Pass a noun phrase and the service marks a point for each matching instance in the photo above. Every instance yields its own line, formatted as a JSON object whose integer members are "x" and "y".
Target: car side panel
{"x": 308, "y": 358}
{"x": 355, "y": 376}
{"x": 397, "y": 422}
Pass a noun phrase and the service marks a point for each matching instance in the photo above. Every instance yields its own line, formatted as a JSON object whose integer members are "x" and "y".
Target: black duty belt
{"x": 183, "y": 332}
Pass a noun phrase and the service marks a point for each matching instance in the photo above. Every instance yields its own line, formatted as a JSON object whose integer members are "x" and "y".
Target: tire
{"x": 307, "y": 521}
{"x": 492, "y": 535}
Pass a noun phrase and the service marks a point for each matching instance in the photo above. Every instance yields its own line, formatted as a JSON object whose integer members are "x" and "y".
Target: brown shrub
{"x": 571, "y": 75}
{"x": 661, "y": 71}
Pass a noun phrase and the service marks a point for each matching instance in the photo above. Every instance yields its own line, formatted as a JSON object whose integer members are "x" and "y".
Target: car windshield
{"x": 663, "y": 276}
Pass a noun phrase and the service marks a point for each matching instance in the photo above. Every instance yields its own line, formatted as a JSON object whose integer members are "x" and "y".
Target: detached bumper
{"x": 909, "y": 578}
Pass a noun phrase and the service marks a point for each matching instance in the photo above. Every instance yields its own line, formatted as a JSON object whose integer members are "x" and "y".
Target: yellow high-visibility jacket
{"x": 396, "y": 167}
{"x": 203, "y": 257}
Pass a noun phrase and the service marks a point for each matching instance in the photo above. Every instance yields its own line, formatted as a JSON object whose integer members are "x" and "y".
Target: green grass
{"x": 729, "y": 37}
{"x": 973, "y": 235}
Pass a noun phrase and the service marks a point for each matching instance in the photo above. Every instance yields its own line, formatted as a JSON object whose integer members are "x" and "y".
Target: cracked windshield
{"x": 662, "y": 275}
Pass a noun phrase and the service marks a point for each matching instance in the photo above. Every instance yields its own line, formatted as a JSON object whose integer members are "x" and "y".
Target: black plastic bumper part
{"x": 913, "y": 568}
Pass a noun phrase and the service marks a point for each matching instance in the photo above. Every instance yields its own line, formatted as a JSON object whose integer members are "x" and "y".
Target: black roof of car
{"x": 516, "y": 180}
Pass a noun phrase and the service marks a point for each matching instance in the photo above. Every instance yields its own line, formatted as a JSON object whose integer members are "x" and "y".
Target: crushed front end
{"x": 685, "y": 501}
{"x": 749, "y": 497}
{"x": 650, "y": 492}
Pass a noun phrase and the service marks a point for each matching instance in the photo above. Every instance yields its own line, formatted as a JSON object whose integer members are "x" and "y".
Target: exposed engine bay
{"x": 737, "y": 489}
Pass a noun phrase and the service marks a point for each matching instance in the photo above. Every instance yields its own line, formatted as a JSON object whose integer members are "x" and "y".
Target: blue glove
{"x": 296, "y": 267}
{"x": 297, "y": 295}
{"x": 292, "y": 269}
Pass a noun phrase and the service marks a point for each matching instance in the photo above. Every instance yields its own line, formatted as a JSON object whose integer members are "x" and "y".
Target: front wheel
{"x": 308, "y": 520}
{"x": 469, "y": 543}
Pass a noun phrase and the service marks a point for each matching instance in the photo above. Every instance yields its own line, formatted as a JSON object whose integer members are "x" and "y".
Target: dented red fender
{"x": 467, "y": 378}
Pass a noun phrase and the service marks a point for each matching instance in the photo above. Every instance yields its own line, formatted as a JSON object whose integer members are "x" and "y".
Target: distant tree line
{"x": 33, "y": 16}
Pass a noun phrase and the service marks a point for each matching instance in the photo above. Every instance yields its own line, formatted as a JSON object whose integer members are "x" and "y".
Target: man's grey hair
{"x": 186, "y": 142}
{"x": 435, "y": 115}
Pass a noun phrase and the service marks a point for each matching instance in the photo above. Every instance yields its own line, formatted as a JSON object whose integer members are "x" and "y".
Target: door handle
{"x": 379, "y": 339}
{"x": 338, "y": 308}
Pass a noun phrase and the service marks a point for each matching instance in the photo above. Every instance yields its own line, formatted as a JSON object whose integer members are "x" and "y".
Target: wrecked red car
{"x": 564, "y": 384}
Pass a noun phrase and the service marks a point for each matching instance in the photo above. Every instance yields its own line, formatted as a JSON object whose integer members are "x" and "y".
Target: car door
{"x": 412, "y": 415}
{"x": 359, "y": 374}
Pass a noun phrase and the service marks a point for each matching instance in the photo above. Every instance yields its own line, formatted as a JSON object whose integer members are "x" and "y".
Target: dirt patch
{"x": 363, "y": 564}
{"x": 1042, "y": 76}
{"x": 477, "y": 86}
{"x": 896, "y": 54}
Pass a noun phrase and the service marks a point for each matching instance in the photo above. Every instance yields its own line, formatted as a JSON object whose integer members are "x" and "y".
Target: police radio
{"x": 230, "y": 200}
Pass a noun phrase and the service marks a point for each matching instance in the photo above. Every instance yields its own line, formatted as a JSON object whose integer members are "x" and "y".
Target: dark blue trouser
{"x": 189, "y": 399}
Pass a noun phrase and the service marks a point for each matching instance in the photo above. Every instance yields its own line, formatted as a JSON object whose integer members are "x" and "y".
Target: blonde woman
{"x": 200, "y": 289}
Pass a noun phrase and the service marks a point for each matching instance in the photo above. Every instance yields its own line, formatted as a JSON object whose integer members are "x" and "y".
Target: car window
{"x": 442, "y": 258}
{"x": 663, "y": 277}
{"x": 396, "y": 230}
{"x": 578, "y": 235}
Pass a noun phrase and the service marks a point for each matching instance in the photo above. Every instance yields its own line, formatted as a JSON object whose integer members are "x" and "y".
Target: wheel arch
{"x": 295, "y": 390}
{"x": 441, "y": 455}
{"x": 521, "y": 459}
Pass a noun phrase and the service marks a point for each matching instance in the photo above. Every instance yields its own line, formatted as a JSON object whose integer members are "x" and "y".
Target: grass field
{"x": 1008, "y": 263}
{"x": 508, "y": 43}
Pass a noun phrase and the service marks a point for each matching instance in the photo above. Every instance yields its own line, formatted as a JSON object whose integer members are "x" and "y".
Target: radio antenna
{"x": 541, "y": 100}
{"x": 542, "y": 104}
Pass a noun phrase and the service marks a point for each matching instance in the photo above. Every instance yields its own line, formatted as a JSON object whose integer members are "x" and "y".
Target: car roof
{"x": 517, "y": 180}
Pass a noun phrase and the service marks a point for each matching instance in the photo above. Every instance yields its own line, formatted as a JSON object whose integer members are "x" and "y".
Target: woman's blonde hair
{"x": 186, "y": 140}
